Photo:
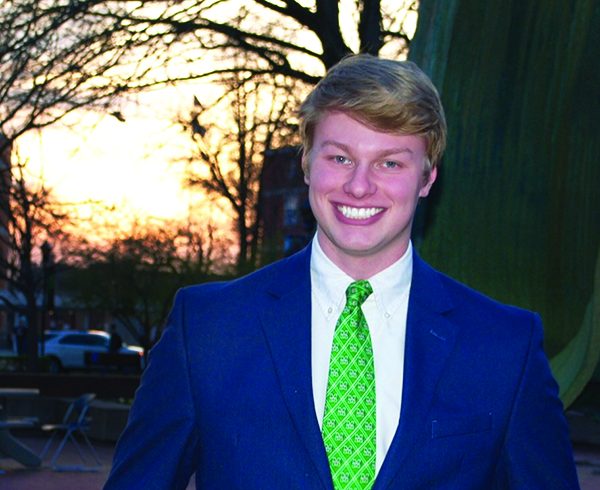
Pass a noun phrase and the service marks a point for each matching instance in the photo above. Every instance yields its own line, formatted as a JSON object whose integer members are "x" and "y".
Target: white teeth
{"x": 358, "y": 213}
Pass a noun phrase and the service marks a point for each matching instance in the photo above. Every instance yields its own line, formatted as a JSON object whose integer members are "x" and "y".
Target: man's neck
{"x": 360, "y": 267}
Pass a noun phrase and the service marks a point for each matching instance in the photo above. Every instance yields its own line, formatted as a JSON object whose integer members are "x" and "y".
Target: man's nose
{"x": 360, "y": 182}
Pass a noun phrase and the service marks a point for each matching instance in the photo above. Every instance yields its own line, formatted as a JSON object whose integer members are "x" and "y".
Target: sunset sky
{"x": 126, "y": 165}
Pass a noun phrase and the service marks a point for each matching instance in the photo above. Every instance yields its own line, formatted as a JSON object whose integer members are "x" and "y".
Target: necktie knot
{"x": 357, "y": 293}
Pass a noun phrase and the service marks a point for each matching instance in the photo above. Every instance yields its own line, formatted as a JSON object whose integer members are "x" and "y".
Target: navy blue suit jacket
{"x": 227, "y": 394}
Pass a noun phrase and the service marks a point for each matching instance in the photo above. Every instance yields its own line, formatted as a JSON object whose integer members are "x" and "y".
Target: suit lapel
{"x": 429, "y": 341}
{"x": 286, "y": 320}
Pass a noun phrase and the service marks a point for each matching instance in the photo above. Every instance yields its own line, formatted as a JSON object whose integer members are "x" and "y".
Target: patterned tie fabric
{"x": 349, "y": 420}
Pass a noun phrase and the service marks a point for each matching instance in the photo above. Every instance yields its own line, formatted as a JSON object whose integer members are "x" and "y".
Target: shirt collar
{"x": 392, "y": 285}
{"x": 329, "y": 281}
{"x": 389, "y": 285}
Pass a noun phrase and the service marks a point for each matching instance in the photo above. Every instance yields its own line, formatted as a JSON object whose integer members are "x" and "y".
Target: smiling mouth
{"x": 358, "y": 213}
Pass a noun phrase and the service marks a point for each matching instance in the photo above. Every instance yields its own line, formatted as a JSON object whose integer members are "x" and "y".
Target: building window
{"x": 290, "y": 211}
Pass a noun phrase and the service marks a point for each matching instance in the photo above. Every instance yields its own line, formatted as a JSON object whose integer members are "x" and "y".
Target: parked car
{"x": 88, "y": 349}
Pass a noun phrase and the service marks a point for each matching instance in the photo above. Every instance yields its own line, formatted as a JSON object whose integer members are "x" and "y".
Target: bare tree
{"x": 254, "y": 115}
{"x": 135, "y": 275}
{"x": 58, "y": 56}
{"x": 30, "y": 219}
{"x": 291, "y": 38}
{"x": 62, "y": 55}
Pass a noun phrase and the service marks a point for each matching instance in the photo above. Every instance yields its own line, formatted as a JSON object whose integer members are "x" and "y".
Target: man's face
{"x": 364, "y": 186}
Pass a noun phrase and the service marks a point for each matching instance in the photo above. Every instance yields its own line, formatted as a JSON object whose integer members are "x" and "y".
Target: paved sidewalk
{"x": 16, "y": 477}
{"x": 587, "y": 458}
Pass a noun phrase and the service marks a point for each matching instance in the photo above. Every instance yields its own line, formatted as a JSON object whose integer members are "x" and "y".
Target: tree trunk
{"x": 517, "y": 212}
{"x": 32, "y": 335}
{"x": 242, "y": 262}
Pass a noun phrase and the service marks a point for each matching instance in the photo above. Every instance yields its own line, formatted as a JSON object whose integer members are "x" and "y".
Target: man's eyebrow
{"x": 383, "y": 153}
{"x": 337, "y": 144}
{"x": 396, "y": 151}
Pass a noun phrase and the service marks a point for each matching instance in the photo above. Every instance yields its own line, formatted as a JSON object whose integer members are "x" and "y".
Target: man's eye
{"x": 390, "y": 164}
{"x": 341, "y": 159}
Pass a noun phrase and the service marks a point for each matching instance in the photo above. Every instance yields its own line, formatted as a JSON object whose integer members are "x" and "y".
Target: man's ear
{"x": 429, "y": 179}
{"x": 306, "y": 169}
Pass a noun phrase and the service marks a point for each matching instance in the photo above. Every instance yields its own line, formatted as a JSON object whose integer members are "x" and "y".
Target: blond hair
{"x": 388, "y": 95}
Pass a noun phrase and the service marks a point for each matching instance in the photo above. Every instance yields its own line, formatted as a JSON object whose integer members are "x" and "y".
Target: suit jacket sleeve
{"x": 537, "y": 451}
{"x": 160, "y": 442}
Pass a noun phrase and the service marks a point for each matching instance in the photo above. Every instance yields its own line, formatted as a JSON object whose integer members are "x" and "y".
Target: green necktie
{"x": 349, "y": 420}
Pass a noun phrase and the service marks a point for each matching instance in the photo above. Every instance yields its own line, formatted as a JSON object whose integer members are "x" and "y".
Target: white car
{"x": 87, "y": 349}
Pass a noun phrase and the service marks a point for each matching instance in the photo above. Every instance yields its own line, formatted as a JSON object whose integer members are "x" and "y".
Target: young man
{"x": 352, "y": 364}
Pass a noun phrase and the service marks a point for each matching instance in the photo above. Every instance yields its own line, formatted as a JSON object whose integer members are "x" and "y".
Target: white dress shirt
{"x": 385, "y": 311}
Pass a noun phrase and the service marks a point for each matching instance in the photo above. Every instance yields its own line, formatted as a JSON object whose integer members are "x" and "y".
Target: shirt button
{"x": 387, "y": 315}
{"x": 329, "y": 310}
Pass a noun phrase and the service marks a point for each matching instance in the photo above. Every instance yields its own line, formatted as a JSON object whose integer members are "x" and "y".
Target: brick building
{"x": 288, "y": 223}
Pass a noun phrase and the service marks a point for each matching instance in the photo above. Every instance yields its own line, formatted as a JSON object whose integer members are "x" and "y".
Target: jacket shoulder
{"x": 468, "y": 306}
{"x": 465, "y": 296}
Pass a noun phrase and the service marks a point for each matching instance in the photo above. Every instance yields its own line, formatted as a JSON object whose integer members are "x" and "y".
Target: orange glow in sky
{"x": 128, "y": 166}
